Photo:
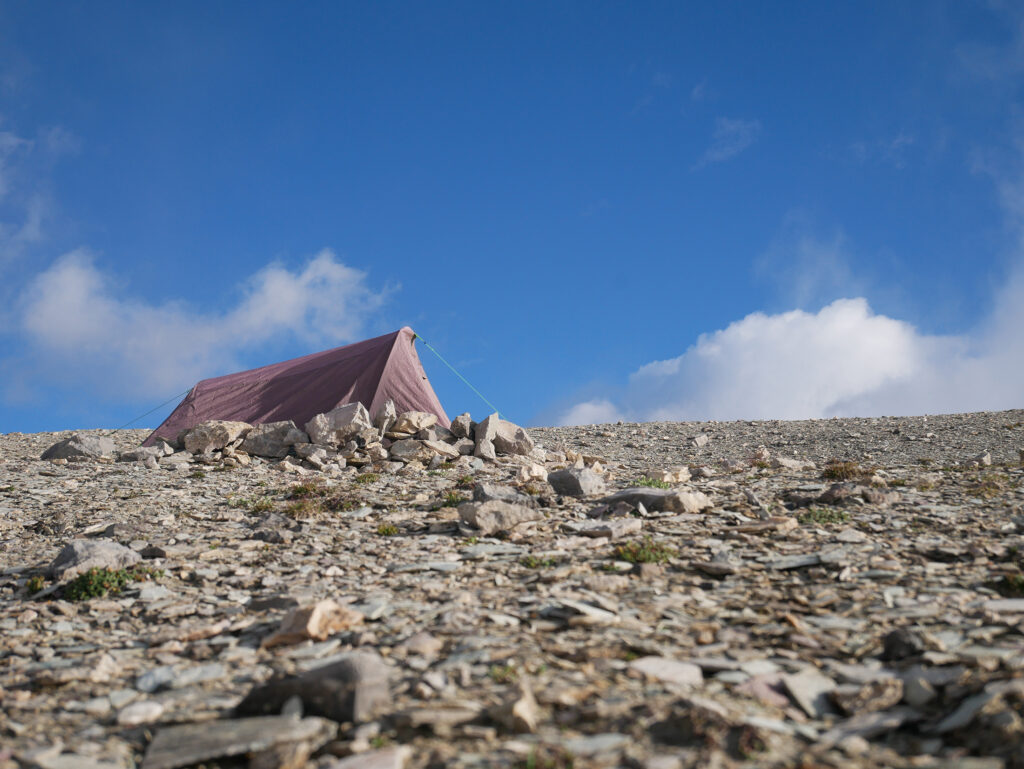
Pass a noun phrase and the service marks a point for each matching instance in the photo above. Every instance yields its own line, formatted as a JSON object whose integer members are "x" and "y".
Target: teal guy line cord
{"x": 169, "y": 400}
{"x": 449, "y": 365}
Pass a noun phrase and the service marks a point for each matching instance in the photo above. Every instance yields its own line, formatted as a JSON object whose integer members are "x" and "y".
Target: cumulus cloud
{"x": 730, "y": 137}
{"x": 843, "y": 360}
{"x": 79, "y": 327}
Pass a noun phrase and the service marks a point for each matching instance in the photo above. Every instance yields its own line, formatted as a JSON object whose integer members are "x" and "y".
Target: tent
{"x": 372, "y": 372}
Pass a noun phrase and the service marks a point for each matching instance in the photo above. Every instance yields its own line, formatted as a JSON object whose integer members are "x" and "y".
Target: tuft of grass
{"x": 924, "y": 462}
{"x": 304, "y": 508}
{"x": 364, "y": 478}
{"x": 547, "y": 758}
{"x": 644, "y": 551}
{"x": 252, "y": 504}
{"x": 470, "y": 541}
{"x": 503, "y": 674}
{"x": 7, "y": 489}
{"x": 306, "y": 491}
{"x": 197, "y": 474}
{"x": 760, "y": 464}
{"x": 823, "y": 515}
{"x": 341, "y": 503}
{"x": 653, "y": 483}
{"x": 387, "y": 530}
{"x": 465, "y": 482}
{"x": 35, "y": 584}
{"x": 533, "y": 562}
{"x": 99, "y": 582}
{"x": 845, "y": 471}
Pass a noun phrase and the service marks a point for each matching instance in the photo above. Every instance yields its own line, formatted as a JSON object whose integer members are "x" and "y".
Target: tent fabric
{"x": 371, "y": 372}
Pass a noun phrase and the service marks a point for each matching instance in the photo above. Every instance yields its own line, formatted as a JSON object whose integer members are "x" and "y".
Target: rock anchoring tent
{"x": 371, "y": 372}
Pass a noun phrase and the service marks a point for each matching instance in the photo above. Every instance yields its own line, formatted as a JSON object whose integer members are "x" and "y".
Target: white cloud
{"x": 843, "y": 360}
{"x": 80, "y": 328}
{"x": 730, "y": 137}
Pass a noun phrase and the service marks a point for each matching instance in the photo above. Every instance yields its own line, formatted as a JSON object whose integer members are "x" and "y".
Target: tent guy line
{"x": 427, "y": 344}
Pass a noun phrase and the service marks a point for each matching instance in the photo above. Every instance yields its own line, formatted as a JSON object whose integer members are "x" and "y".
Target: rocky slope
{"x": 842, "y": 593}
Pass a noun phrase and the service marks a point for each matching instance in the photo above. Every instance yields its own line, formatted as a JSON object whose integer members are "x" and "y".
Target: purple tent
{"x": 372, "y": 372}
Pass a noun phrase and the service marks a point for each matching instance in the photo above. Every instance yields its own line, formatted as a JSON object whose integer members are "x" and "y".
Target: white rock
{"x": 145, "y": 712}
{"x": 336, "y": 427}
{"x": 213, "y": 435}
{"x": 414, "y": 421}
{"x": 273, "y": 439}
{"x": 668, "y": 671}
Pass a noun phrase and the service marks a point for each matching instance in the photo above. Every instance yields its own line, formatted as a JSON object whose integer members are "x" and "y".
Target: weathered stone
{"x": 213, "y": 435}
{"x": 338, "y": 426}
{"x": 317, "y": 622}
{"x": 494, "y": 516}
{"x": 141, "y": 454}
{"x": 413, "y": 421}
{"x": 188, "y": 744}
{"x": 385, "y": 417}
{"x": 81, "y": 446}
{"x": 576, "y": 482}
{"x": 353, "y": 688}
{"x": 669, "y": 671}
{"x": 462, "y": 426}
{"x": 672, "y": 475}
{"x": 510, "y": 438}
{"x": 80, "y": 555}
{"x": 659, "y": 500}
{"x": 385, "y": 758}
{"x": 443, "y": 450}
{"x": 485, "y": 491}
{"x": 810, "y": 690}
{"x": 410, "y": 450}
{"x": 273, "y": 439}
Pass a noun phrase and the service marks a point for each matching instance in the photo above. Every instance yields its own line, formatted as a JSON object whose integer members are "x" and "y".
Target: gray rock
{"x": 661, "y": 500}
{"x": 81, "y": 447}
{"x": 494, "y": 516}
{"x": 576, "y": 482}
{"x": 462, "y": 426}
{"x": 510, "y": 438}
{"x": 80, "y": 555}
{"x": 189, "y": 744}
{"x": 669, "y": 671}
{"x": 410, "y": 450}
{"x": 352, "y": 688}
{"x": 273, "y": 439}
{"x": 337, "y": 427}
{"x": 486, "y": 491}
{"x": 141, "y": 454}
{"x": 213, "y": 435}
{"x": 809, "y": 689}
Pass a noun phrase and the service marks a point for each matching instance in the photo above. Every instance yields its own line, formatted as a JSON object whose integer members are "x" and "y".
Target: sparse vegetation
{"x": 197, "y": 474}
{"x": 836, "y": 470}
{"x": 653, "y": 483}
{"x": 252, "y": 504}
{"x": 533, "y": 562}
{"x": 387, "y": 530}
{"x": 990, "y": 485}
{"x": 364, "y": 478}
{"x": 465, "y": 482}
{"x": 503, "y": 674}
{"x": 303, "y": 509}
{"x": 35, "y": 584}
{"x": 547, "y": 758}
{"x": 306, "y": 491}
{"x": 644, "y": 551}
{"x": 97, "y": 582}
{"x": 821, "y": 515}
{"x": 452, "y": 499}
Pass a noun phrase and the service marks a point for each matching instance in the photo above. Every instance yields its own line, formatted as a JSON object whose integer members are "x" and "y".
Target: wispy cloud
{"x": 730, "y": 137}
{"x": 79, "y": 327}
{"x": 701, "y": 91}
{"x": 891, "y": 151}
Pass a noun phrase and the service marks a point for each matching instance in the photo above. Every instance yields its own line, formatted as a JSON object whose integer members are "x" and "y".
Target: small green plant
{"x": 547, "y": 758}
{"x": 452, "y": 499}
{"x": 990, "y": 486}
{"x": 533, "y": 562}
{"x": 341, "y": 503}
{"x": 653, "y": 483}
{"x": 197, "y": 474}
{"x": 896, "y": 483}
{"x": 924, "y": 486}
{"x": 252, "y": 504}
{"x": 387, "y": 530}
{"x": 364, "y": 478}
{"x": 99, "y": 582}
{"x": 7, "y": 489}
{"x": 470, "y": 541}
{"x": 760, "y": 464}
{"x": 823, "y": 515}
{"x": 503, "y": 674}
{"x": 35, "y": 584}
{"x": 465, "y": 482}
{"x": 644, "y": 551}
{"x": 380, "y": 741}
{"x": 924, "y": 461}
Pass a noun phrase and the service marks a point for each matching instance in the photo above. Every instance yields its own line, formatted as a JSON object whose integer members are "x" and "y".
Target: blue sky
{"x": 594, "y": 210}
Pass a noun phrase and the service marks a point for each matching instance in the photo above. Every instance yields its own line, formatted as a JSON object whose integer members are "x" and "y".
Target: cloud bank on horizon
{"x": 126, "y": 347}
{"x": 843, "y": 360}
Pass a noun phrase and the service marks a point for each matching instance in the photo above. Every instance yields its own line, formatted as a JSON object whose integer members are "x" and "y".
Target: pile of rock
{"x": 344, "y": 437}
